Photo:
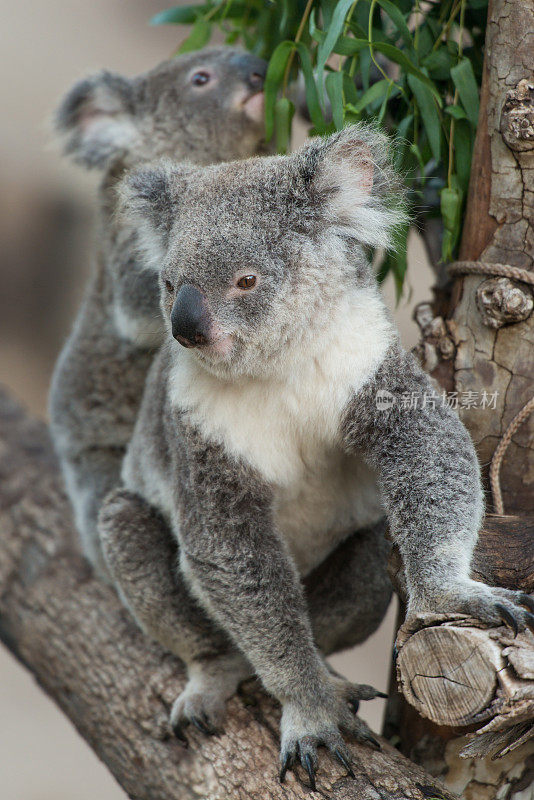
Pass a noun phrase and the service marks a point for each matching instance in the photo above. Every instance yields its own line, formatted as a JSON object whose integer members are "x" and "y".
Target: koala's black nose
{"x": 251, "y": 69}
{"x": 190, "y": 317}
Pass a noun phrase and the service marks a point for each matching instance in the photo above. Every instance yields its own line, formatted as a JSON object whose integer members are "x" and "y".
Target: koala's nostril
{"x": 256, "y": 81}
{"x": 183, "y": 341}
{"x": 200, "y": 338}
{"x": 251, "y": 69}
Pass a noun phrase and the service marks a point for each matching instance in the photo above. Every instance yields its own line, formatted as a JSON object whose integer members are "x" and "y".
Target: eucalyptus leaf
{"x": 312, "y": 95}
{"x": 199, "y": 37}
{"x": 464, "y": 80}
{"x": 456, "y": 112}
{"x": 333, "y": 32}
{"x": 180, "y": 15}
{"x": 350, "y": 91}
{"x": 397, "y": 17}
{"x": 429, "y": 114}
{"x": 334, "y": 90}
{"x": 273, "y": 82}
{"x": 451, "y": 209}
{"x": 374, "y": 93}
{"x": 438, "y": 63}
{"x": 365, "y": 67}
{"x": 463, "y": 147}
{"x": 187, "y": 15}
{"x": 283, "y": 117}
{"x": 392, "y": 90}
{"x": 394, "y": 54}
{"x": 404, "y": 124}
{"x": 344, "y": 45}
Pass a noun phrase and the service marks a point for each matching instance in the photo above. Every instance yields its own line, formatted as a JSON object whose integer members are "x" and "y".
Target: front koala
{"x": 205, "y": 106}
{"x": 260, "y": 439}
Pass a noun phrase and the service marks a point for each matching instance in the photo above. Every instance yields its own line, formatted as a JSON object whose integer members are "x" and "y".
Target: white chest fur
{"x": 287, "y": 427}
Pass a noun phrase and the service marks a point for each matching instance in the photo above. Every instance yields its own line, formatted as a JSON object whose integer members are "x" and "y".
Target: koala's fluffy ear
{"x": 351, "y": 176}
{"x": 149, "y": 197}
{"x": 97, "y": 119}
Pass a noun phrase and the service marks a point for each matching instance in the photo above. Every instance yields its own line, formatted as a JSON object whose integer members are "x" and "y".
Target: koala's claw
{"x": 493, "y": 606}
{"x": 511, "y": 609}
{"x": 310, "y": 769}
{"x": 204, "y": 725}
{"x": 345, "y": 761}
{"x": 371, "y": 739}
{"x": 288, "y": 763}
{"x": 527, "y": 601}
{"x": 324, "y": 722}
{"x": 354, "y": 705}
{"x": 204, "y": 711}
{"x": 180, "y": 735}
{"x": 360, "y": 731}
{"x": 507, "y": 617}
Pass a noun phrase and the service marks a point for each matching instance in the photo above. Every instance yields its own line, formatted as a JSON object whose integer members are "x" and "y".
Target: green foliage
{"x": 414, "y": 68}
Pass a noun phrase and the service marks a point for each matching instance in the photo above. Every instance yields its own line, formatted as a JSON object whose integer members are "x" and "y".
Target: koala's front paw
{"x": 319, "y": 723}
{"x": 203, "y": 701}
{"x": 491, "y": 605}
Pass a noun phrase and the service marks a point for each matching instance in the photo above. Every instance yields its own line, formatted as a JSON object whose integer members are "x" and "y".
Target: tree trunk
{"x": 116, "y": 686}
{"x": 482, "y": 350}
{"x": 489, "y": 333}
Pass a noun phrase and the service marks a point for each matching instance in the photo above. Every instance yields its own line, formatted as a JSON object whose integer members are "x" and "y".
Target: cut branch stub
{"x": 449, "y": 674}
{"x": 454, "y": 671}
{"x": 457, "y": 673}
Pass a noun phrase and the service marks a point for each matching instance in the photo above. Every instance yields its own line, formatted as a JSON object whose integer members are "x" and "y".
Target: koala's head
{"x": 258, "y": 254}
{"x": 206, "y": 106}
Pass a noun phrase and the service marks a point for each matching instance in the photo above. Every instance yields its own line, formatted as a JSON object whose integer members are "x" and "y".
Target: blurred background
{"x": 46, "y": 247}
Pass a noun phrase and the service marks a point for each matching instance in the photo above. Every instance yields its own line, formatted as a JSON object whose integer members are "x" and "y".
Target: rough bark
{"x": 486, "y": 343}
{"x": 117, "y": 687}
{"x": 482, "y": 343}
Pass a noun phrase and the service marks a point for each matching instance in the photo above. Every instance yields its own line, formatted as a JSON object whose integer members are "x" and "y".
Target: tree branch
{"x": 117, "y": 687}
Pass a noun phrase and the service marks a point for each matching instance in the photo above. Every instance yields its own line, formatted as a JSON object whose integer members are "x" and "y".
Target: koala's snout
{"x": 190, "y": 318}
{"x": 252, "y": 70}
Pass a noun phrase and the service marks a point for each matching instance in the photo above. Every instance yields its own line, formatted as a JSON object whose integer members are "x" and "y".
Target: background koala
{"x": 207, "y": 106}
{"x": 261, "y": 444}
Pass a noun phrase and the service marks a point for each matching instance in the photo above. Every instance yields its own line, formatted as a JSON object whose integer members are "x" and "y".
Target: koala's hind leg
{"x": 349, "y": 593}
{"x": 89, "y": 477}
{"x": 142, "y": 557}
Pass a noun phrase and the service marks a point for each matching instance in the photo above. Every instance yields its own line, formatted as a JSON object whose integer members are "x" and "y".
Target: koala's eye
{"x": 247, "y": 282}
{"x": 169, "y": 287}
{"x": 200, "y": 78}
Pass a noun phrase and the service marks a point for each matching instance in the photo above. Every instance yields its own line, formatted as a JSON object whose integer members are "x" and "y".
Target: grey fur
{"x": 112, "y": 122}
{"x": 278, "y": 399}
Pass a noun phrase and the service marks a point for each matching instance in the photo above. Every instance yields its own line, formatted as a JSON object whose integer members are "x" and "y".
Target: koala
{"x": 264, "y": 456}
{"x": 206, "y": 106}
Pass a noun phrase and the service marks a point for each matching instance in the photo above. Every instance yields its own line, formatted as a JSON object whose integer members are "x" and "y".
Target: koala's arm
{"x": 430, "y": 482}
{"x": 237, "y": 567}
